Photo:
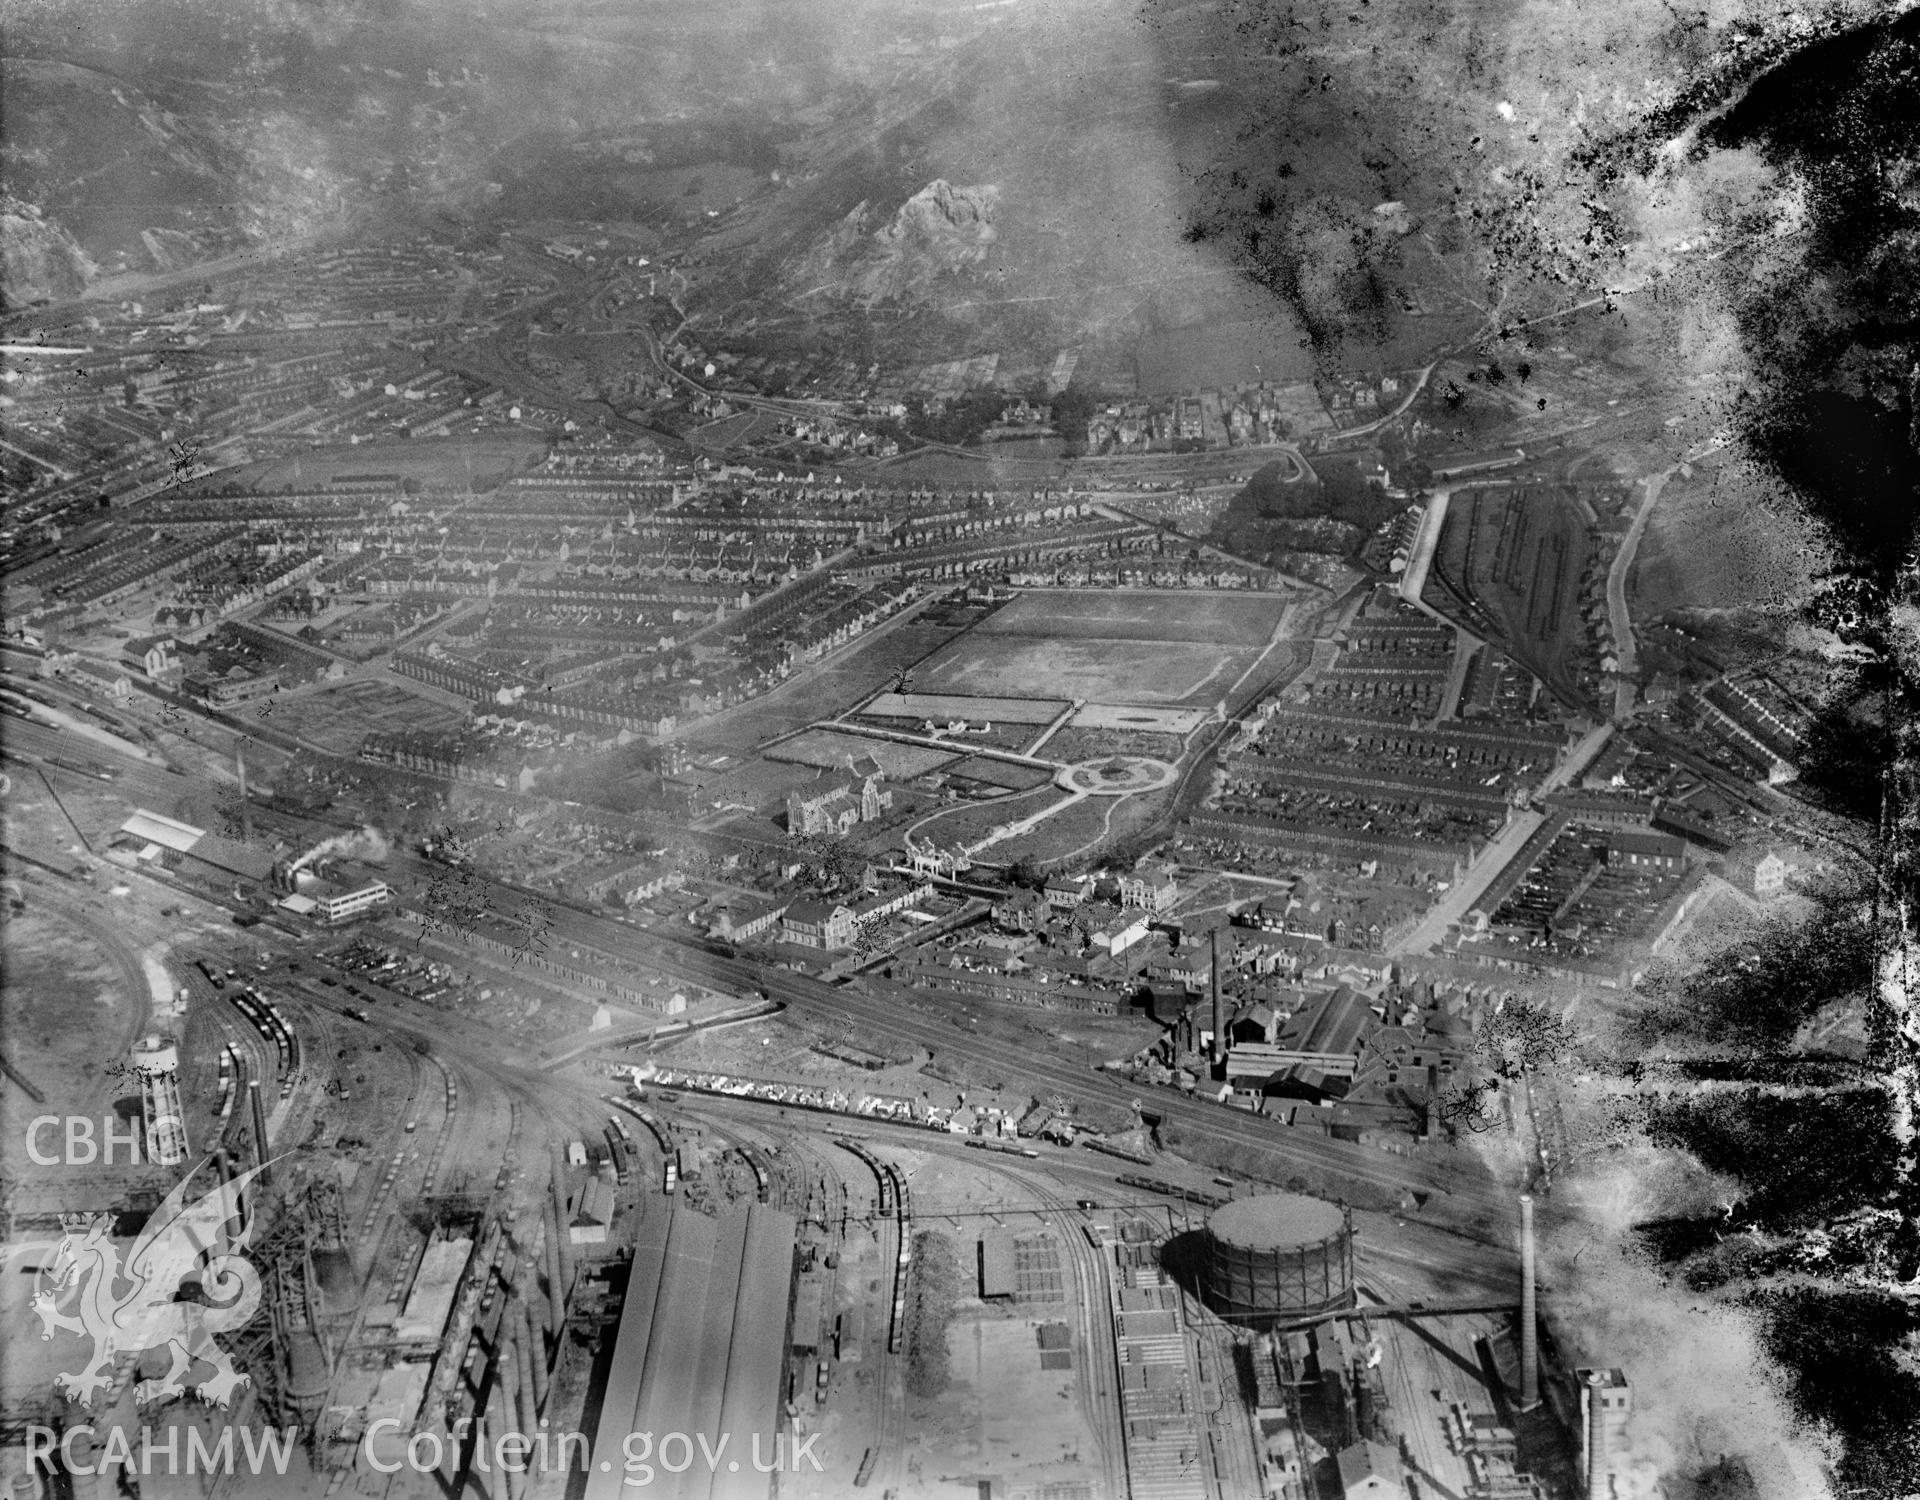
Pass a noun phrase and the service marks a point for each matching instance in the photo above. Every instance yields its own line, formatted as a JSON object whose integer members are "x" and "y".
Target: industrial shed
{"x": 701, "y": 1348}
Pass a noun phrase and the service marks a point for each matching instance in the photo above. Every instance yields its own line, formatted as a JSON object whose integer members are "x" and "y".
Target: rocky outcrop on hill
{"x": 38, "y": 258}
{"x": 940, "y": 232}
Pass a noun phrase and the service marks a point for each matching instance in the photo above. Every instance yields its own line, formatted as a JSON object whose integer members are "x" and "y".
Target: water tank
{"x": 1277, "y": 1256}
{"x": 156, "y": 1054}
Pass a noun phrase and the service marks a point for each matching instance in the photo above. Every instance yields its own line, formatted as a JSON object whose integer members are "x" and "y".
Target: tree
{"x": 1025, "y": 872}
{"x": 934, "y": 1285}
{"x": 831, "y": 863}
{"x": 1520, "y": 1037}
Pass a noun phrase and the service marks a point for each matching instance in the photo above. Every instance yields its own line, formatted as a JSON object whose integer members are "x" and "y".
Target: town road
{"x": 1413, "y": 581}
{"x": 1617, "y": 617}
{"x": 1473, "y": 883}
{"x": 1458, "y": 899}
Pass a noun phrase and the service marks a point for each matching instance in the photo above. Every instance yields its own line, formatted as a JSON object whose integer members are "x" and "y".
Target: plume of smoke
{"x": 1703, "y": 1388}
{"x": 366, "y": 842}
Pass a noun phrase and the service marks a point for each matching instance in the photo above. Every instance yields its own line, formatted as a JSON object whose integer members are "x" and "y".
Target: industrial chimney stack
{"x": 246, "y": 812}
{"x": 1598, "y": 1487}
{"x": 259, "y": 1131}
{"x": 1219, "y": 1052}
{"x": 1529, "y": 1311}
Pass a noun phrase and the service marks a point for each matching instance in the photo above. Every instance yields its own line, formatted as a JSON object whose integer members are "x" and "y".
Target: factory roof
{"x": 1662, "y": 845}
{"x": 1275, "y": 1221}
{"x": 1335, "y": 1022}
{"x": 233, "y": 857}
{"x": 701, "y": 1345}
{"x": 1363, "y": 1462}
{"x": 166, "y": 832}
{"x": 596, "y": 1203}
{"x": 998, "y": 1277}
{"x": 811, "y": 1301}
{"x": 434, "y": 1284}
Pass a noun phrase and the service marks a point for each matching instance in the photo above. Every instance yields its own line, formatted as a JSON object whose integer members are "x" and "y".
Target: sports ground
{"x": 1120, "y": 646}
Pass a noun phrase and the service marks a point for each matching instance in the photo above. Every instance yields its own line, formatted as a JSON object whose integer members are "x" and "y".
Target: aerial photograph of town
{"x": 959, "y": 749}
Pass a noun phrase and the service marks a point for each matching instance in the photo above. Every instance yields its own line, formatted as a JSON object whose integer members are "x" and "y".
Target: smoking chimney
{"x": 1598, "y": 1487}
{"x": 240, "y": 773}
{"x": 259, "y": 1131}
{"x": 1213, "y": 967}
{"x": 1529, "y": 1312}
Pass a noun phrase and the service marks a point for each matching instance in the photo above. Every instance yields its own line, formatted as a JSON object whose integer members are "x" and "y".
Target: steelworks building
{"x": 701, "y": 1351}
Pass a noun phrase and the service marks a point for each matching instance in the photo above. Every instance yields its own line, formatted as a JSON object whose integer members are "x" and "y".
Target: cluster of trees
{"x": 832, "y": 864}
{"x": 1268, "y": 512}
{"x": 962, "y": 421}
{"x": 1802, "y": 1159}
{"x": 1523, "y": 1036}
{"x": 1845, "y": 1362}
{"x": 931, "y": 1294}
{"x": 1756, "y": 994}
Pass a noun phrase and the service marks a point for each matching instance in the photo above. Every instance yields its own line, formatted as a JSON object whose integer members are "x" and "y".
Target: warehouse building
{"x": 701, "y": 1349}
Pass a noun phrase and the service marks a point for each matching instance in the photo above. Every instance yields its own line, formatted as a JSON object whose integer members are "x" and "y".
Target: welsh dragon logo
{"x": 138, "y": 1306}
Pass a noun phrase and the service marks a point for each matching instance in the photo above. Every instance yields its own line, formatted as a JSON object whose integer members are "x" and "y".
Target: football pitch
{"x": 1126, "y": 646}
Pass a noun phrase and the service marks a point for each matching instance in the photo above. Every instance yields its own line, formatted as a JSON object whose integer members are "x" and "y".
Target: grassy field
{"x": 1001, "y": 773}
{"x": 1067, "y": 832}
{"x": 338, "y": 719}
{"x": 943, "y": 706}
{"x": 1140, "y": 615}
{"x": 1125, "y": 646}
{"x": 763, "y": 784}
{"x": 869, "y": 664}
{"x": 972, "y": 821}
{"x": 731, "y": 432}
{"x": 820, "y": 747}
{"x": 993, "y": 734}
{"x": 1262, "y": 343}
{"x": 1171, "y": 724}
{"x": 1075, "y": 744}
{"x": 445, "y": 461}
{"x": 1100, "y": 670}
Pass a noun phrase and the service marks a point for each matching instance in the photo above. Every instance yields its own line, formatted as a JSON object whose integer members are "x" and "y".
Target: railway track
{"x": 1470, "y": 1190}
{"x": 1211, "y": 1121}
{"x": 1099, "y": 1371}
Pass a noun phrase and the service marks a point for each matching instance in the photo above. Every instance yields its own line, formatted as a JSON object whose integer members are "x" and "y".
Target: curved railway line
{"x": 1469, "y": 1189}
{"x": 1099, "y": 1371}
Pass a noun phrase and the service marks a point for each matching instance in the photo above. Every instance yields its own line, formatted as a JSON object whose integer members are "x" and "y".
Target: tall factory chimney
{"x": 533, "y": 1355}
{"x": 1529, "y": 1312}
{"x": 1219, "y": 1052}
{"x": 223, "y": 1174}
{"x": 259, "y": 1131}
{"x": 507, "y": 1373}
{"x": 240, "y": 770}
{"x": 563, "y": 1251}
{"x": 1598, "y": 1487}
{"x": 556, "y": 1291}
